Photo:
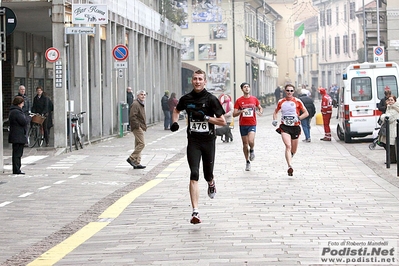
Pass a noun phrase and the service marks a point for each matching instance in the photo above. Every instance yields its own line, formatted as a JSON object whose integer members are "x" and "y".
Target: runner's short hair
{"x": 243, "y": 84}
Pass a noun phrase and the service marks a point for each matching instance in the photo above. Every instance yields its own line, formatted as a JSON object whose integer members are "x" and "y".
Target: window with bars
{"x": 337, "y": 15}
{"x": 345, "y": 44}
{"x": 322, "y": 19}
{"x": 353, "y": 42}
{"x": 337, "y": 45}
{"x": 329, "y": 18}
{"x": 352, "y": 10}
{"x": 250, "y": 25}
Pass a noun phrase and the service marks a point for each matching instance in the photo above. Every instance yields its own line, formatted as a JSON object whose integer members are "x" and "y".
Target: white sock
{"x": 195, "y": 209}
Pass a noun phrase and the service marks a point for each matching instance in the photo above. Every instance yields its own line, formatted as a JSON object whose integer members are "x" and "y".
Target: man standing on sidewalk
{"x": 165, "y": 109}
{"x": 138, "y": 126}
{"x": 326, "y": 111}
{"x": 129, "y": 99}
{"x": 309, "y": 105}
{"x": 41, "y": 106}
{"x": 25, "y": 108}
{"x": 204, "y": 111}
{"x": 247, "y": 106}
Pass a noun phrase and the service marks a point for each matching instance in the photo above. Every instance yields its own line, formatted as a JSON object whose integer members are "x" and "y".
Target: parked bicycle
{"x": 77, "y": 133}
{"x": 36, "y": 132}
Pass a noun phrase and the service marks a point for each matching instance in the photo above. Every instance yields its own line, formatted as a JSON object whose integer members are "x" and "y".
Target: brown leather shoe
{"x": 325, "y": 139}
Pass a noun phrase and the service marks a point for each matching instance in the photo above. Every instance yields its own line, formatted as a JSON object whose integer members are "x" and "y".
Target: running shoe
{"x": 195, "y": 219}
{"x": 251, "y": 155}
{"x": 212, "y": 190}
{"x": 248, "y": 166}
{"x": 290, "y": 171}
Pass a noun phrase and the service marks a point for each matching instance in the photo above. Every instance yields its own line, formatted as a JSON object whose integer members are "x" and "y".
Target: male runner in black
{"x": 204, "y": 111}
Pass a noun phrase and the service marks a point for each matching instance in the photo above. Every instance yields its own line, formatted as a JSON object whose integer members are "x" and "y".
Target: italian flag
{"x": 300, "y": 33}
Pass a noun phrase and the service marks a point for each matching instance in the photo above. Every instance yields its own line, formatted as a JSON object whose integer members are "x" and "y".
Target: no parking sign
{"x": 379, "y": 55}
{"x": 120, "y": 52}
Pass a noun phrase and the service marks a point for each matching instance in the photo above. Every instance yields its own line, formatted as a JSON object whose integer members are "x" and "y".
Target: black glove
{"x": 174, "y": 127}
{"x": 198, "y": 115}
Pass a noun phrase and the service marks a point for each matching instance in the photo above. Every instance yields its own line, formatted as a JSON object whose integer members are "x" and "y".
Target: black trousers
{"x": 197, "y": 148}
{"x": 17, "y": 152}
{"x": 392, "y": 152}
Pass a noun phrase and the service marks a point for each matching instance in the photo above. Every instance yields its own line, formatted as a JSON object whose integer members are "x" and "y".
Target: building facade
{"x": 87, "y": 74}
{"x": 233, "y": 41}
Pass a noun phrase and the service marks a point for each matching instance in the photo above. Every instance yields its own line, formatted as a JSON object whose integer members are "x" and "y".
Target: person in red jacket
{"x": 326, "y": 111}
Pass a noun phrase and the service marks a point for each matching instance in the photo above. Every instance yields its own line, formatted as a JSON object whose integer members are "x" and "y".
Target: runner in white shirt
{"x": 292, "y": 111}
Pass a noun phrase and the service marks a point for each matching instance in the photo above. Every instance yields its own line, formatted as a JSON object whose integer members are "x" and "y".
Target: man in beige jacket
{"x": 138, "y": 126}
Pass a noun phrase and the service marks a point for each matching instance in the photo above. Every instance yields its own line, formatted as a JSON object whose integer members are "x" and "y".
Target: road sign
{"x": 80, "y": 30}
{"x": 120, "y": 52}
{"x": 52, "y": 54}
{"x": 379, "y": 54}
{"x": 120, "y": 64}
{"x": 11, "y": 20}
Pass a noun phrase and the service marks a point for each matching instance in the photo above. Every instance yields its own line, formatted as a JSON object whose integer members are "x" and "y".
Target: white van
{"x": 362, "y": 89}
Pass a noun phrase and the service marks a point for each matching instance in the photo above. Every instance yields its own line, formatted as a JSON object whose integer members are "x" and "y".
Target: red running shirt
{"x": 247, "y": 118}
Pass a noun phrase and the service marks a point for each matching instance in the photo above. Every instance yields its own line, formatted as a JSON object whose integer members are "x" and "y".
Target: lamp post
{"x": 364, "y": 34}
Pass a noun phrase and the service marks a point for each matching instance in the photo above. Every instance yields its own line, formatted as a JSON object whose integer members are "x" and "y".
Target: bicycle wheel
{"x": 76, "y": 138}
{"x": 32, "y": 135}
{"x": 40, "y": 137}
{"x": 80, "y": 139}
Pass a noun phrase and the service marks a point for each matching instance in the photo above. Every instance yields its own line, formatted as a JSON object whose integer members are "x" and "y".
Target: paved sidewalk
{"x": 258, "y": 217}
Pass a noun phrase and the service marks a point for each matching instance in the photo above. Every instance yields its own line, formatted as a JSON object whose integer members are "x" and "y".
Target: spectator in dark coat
{"x": 41, "y": 106}
{"x": 17, "y": 136}
{"x": 309, "y": 105}
{"x": 382, "y": 106}
{"x": 165, "y": 109}
{"x": 129, "y": 99}
{"x": 172, "y": 103}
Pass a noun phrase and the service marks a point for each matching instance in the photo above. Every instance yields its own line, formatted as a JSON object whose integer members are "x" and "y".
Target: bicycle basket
{"x": 38, "y": 119}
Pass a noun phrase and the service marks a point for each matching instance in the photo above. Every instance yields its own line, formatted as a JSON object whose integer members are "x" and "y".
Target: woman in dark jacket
{"x": 17, "y": 136}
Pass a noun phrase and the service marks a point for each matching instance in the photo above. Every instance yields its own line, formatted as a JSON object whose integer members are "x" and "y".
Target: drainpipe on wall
{"x": 234, "y": 53}
{"x": 1, "y": 102}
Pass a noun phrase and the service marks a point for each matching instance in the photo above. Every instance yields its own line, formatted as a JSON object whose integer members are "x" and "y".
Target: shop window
{"x": 19, "y": 57}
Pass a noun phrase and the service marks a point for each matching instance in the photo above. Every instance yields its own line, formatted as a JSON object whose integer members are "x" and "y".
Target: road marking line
{"x": 56, "y": 253}
{"x": 121, "y": 204}
{"x": 27, "y": 160}
{"x": 45, "y": 187}
{"x": 25, "y": 195}
{"x": 73, "y": 176}
{"x": 59, "y": 182}
{"x": 59, "y": 251}
{"x": 5, "y": 203}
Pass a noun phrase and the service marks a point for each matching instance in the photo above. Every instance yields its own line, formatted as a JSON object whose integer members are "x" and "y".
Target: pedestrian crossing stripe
{"x": 27, "y": 160}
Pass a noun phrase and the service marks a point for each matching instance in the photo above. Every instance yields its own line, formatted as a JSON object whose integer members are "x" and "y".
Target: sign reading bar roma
{"x": 89, "y": 14}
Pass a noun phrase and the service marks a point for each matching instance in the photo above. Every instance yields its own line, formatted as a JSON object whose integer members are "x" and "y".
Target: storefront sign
{"x": 89, "y": 14}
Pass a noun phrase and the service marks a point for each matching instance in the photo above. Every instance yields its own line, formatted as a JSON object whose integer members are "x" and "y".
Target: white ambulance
{"x": 363, "y": 87}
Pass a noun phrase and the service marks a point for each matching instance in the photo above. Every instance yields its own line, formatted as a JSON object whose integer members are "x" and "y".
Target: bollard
{"x": 387, "y": 144}
{"x": 319, "y": 119}
{"x": 120, "y": 120}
